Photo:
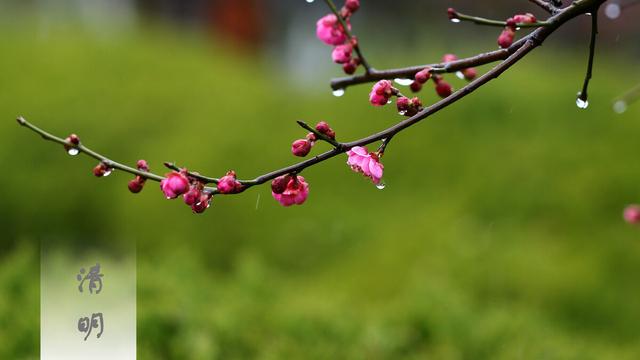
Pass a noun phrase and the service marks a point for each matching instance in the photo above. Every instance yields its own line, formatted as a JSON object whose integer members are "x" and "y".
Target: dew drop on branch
{"x": 460, "y": 75}
{"x": 381, "y": 185}
{"x": 455, "y": 20}
{"x": 338, "y": 92}
{"x": 582, "y": 104}
{"x": 403, "y": 82}
{"x": 107, "y": 172}
{"x": 620, "y": 106}
{"x": 73, "y": 151}
{"x": 309, "y": 1}
{"x": 613, "y": 11}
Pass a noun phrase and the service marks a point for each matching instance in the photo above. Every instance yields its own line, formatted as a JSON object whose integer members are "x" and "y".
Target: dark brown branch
{"x": 195, "y": 175}
{"x": 545, "y": 5}
{"x": 489, "y": 22}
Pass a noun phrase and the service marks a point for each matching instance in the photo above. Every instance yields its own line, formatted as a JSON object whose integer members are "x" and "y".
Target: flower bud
{"x": 341, "y": 54}
{"x": 191, "y": 196}
{"x": 101, "y": 170}
{"x": 632, "y": 214}
{"x": 74, "y": 140}
{"x": 470, "y": 73}
{"x": 381, "y": 93}
{"x": 352, "y": 5}
{"x": 452, "y": 13}
{"x": 443, "y": 89}
{"x": 142, "y": 165}
{"x": 311, "y": 137}
{"x": 301, "y": 147}
{"x": 506, "y": 37}
{"x": 174, "y": 185}
{"x": 202, "y": 203}
{"x": 423, "y": 75}
{"x": 324, "y": 128}
{"x": 527, "y": 18}
{"x": 415, "y": 86}
{"x": 279, "y": 184}
{"x": 136, "y": 185}
{"x": 449, "y": 58}
{"x": 229, "y": 184}
{"x": 349, "y": 68}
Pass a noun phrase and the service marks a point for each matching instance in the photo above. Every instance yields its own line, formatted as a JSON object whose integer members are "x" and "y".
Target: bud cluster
{"x": 177, "y": 183}
{"x": 329, "y": 30}
{"x": 302, "y": 147}
{"x": 505, "y": 39}
{"x": 136, "y": 185}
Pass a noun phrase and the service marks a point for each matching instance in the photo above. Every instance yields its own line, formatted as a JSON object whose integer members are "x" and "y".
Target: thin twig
{"x": 490, "y": 22}
{"x": 319, "y": 135}
{"x": 592, "y": 50}
{"x": 356, "y": 46}
{"x": 195, "y": 175}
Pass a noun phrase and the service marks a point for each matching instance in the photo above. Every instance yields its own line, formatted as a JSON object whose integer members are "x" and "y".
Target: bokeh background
{"x": 499, "y": 234}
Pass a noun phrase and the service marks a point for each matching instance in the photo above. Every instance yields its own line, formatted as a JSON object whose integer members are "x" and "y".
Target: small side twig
{"x": 319, "y": 135}
{"x": 490, "y": 22}
{"x": 195, "y": 175}
{"x": 592, "y": 49}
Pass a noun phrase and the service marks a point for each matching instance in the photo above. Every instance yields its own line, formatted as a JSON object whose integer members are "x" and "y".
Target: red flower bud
{"x": 301, "y": 147}
{"x": 423, "y": 75}
{"x": 349, "y": 68}
{"x": 506, "y": 37}
{"x": 142, "y": 165}
{"x": 101, "y": 170}
{"x": 191, "y": 196}
{"x": 449, "y": 58}
{"x": 136, "y": 185}
{"x": 229, "y": 184}
{"x": 415, "y": 86}
{"x": 527, "y": 18}
{"x": 352, "y": 5}
{"x": 279, "y": 184}
{"x": 443, "y": 89}
{"x": 452, "y": 13}
{"x": 202, "y": 203}
{"x": 470, "y": 73}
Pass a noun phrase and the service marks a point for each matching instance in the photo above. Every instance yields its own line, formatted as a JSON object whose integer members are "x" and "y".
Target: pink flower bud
{"x": 229, "y": 184}
{"x": 415, "y": 86}
{"x": 506, "y": 37}
{"x": 74, "y": 140}
{"x": 174, "y": 185}
{"x": 142, "y": 165}
{"x": 349, "y": 68}
{"x": 423, "y": 75}
{"x": 192, "y": 196}
{"x": 295, "y": 192}
{"x": 136, "y": 185}
{"x": 511, "y": 24}
{"x": 301, "y": 147}
{"x": 470, "y": 73}
{"x": 279, "y": 184}
{"x": 311, "y": 137}
{"x": 527, "y": 18}
{"x": 101, "y": 170}
{"x": 443, "y": 88}
{"x": 632, "y": 214}
{"x": 324, "y": 128}
{"x": 403, "y": 104}
{"x": 341, "y": 54}
{"x": 408, "y": 107}
{"x": 381, "y": 93}
{"x": 368, "y": 164}
{"x": 452, "y": 13}
{"x": 449, "y": 58}
{"x": 352, "y": 5}
{"x": 202, "y": 203}
{"x": 330, "y": 31}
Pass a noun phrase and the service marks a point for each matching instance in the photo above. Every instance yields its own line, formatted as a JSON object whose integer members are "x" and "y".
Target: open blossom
{"x": 290, "y": 190}
{"x": 330, "y": 31}
{"x": 381, "y": 93}
{"x": 632, "y": 214}
{"x": 362, "y": 161}
{"x": 174, "y": 185}
{"x": 341, "y": 54}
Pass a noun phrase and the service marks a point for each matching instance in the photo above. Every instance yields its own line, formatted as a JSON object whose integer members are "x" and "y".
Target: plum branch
{"x": 289, "y": 188}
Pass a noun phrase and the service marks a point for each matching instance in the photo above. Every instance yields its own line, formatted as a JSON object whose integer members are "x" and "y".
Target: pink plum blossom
{"x": 330, "y": 31}
{"x": 381, "y": 93}
{"x": 366, "y": 163}
{"x": 341, "y": 54}
{"x": 632, "y": 214}
{"x": 174, "y": 185}
{"x": 229, "y": 184}
{"x": 295, "y": 192}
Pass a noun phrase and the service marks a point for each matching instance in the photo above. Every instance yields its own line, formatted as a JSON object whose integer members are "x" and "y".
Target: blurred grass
{"x": 499, "y": 234}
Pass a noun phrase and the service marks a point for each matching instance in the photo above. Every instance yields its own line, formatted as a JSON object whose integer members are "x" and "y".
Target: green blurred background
{"x": 499, "y": 234}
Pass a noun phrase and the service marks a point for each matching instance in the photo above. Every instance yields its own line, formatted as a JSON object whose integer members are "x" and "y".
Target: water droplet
{"x": 620, "y": 106}
{"x": 403, "y": 82}
{"x": 582, "y": 104}
{"x": 338, "y": 92}
{"x": 389, "y": 101}
{"x": 613, "y": 11}
{"x": 107, "y": 172}
{"x": 588, "y": 14}
{"x": 460, "y": 75}
{"x": 381, "y": 185}
{"x": 73, "y": 151}
{"x": 518, "y": 28}
{"x": 309, "y": 1}
{"x": 402, "y": 112}
{"x": 455, "y": 20}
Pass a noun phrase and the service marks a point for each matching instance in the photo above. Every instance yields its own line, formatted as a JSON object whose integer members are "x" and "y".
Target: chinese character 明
{"x": 94, "y": 277}
{"x": 85, "y": 324}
